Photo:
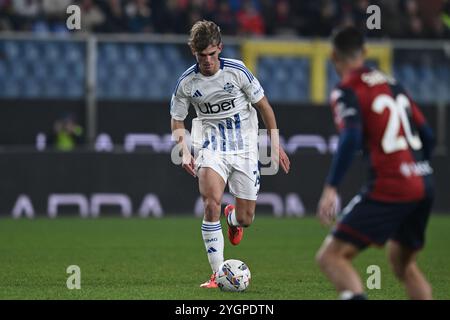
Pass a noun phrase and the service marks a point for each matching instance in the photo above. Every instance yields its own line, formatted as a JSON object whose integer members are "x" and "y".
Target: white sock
{"x": 213, "y": 239}
{"x": 346, "y": 295}
{"x": 232, "y": 221}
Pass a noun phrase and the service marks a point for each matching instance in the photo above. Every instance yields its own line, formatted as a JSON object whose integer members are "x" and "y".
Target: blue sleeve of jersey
{"x": 350, "y": 140}
{"x": 428, "y": 141}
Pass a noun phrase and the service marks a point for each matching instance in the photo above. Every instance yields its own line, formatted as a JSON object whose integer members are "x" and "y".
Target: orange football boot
{"x": 211, "y": 283}
{"x": 235, "y": 234}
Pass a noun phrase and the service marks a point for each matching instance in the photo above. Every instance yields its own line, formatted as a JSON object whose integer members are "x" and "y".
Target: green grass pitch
{"x": 165, "y": 259}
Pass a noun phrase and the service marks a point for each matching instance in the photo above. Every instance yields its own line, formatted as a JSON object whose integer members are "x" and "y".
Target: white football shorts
{"x": 240, "y": 171}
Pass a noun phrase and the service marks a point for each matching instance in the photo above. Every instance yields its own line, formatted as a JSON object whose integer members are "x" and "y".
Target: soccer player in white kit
{"x": 226, "y": 129}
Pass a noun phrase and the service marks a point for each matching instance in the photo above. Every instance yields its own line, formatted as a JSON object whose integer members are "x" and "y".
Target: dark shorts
{"x": 367, "y": 222}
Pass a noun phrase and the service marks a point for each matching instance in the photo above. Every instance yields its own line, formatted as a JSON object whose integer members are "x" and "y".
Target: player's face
{"x": 208, "y": 59}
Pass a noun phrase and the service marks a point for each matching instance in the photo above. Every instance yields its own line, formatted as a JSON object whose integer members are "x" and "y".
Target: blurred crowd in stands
{"x": 409, "y": 19}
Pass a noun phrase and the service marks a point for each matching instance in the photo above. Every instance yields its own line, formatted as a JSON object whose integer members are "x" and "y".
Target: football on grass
{"x": 233, "y": 275}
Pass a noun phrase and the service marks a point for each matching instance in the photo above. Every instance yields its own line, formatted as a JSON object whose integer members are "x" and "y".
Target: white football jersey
{"x": 227, "y": 121}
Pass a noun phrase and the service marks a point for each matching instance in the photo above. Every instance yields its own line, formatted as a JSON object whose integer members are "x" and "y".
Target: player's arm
{"x": 349, "y": 142}
{"x": 178, "y": 133}
{"x": 270, "y": 122}
{"x": 428, "y": 141}
{"x": 179, "y": 105}
{"x": 425, "y": 132}
{"x": 347, "y": 118}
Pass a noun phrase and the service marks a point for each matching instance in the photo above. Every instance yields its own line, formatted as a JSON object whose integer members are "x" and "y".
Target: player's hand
{"x": 188, "y": 163}
{"x": 327, "y": 209}
{"x": 284, "y": 161}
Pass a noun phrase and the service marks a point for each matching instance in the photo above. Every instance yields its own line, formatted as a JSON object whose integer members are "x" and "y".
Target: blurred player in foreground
{"x": 374, "y": 113}
{"x": 222, "y": 92}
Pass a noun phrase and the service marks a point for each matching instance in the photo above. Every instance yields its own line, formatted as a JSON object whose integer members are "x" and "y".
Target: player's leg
{"x": 244, "y": 212}
{"x": 408, "y": 239}
{"x": 335, "y": 260}
{"x": 244, "y": 185}
{"x": 239, "y": 217}
{"x": 363, "y": 222}
{"x": 212, "y": 186}
{"x": 404, "y": 265}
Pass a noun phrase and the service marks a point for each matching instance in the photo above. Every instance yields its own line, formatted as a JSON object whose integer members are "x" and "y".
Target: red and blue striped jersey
{"x": 396, "y": 139}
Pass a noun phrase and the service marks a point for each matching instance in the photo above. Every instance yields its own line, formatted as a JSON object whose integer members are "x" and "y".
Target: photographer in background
{"x": 67, "y": 133}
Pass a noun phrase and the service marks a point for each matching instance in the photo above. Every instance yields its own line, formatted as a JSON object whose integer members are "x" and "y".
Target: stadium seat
{"x": 299, "y": 74}
{"x": 32, "y": 51}
{"x": 425, "y": 74}
{"x": 407, "y": 76}
{"x": 267, "y": 63}
{"x": 3, "y": 70}
{"x": 442, "y": 92}
{"x": 53, "y": 52}
{"x": 274, "y": 91}
{"x": 109, "y": 52}
{"x": 231, "y": 52}
{"x": 160, "y": 72}
{"x": 263, "y": 76}
{"x": 170, "y": 52}
{"x": 428, "y": 92}
{"x": 52, "y": 89}
{"x": 151, "y": 53}
{"x": 332, "y": 78}
{"x": 132, "y": 53}
{"x": 281, "y": 75}
{"x": 17, "y": 69}
{"x": 120, "y": 71}
{"x": 60, "y": 72}
{"x": 74, "y": 52}
{"x": 11, "y": 88}
{"x": 39, "y": 71}
{"x": 114, "y": 90}
{"x": 71, "y": 89}
{"x": 103, "y": 72}
{"x": 154, "y": 90}
{"x": 11, "y": 49}
{"x": 141, "y": 72}
{"x": 77, "y": 71}
{"x": 292, "y": 92}
{"x": 31, "y": 88}
{"x": 135, "y": 90}
{"x": 180, "y": 66}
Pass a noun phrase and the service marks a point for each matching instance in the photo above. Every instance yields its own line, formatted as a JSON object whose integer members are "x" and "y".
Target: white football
{"x": 233, "y": 275}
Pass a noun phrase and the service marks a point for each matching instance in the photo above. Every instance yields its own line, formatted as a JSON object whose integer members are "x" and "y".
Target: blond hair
{"x": 204, "y": 33}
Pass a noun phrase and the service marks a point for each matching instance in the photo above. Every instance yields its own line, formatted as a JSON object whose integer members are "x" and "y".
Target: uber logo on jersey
{"x": 216, "y": 108}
